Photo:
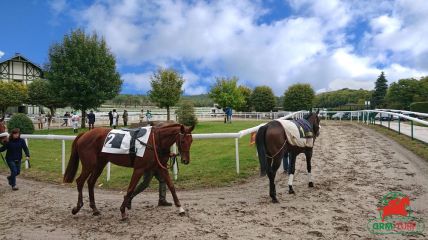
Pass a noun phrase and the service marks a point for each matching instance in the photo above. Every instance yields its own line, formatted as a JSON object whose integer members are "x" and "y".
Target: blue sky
{"x": 330, "y": 44}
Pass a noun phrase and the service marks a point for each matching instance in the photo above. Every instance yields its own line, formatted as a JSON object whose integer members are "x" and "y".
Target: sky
{"x": 331, "y": 44}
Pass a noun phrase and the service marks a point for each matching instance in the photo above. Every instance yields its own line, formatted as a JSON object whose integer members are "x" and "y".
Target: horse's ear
{"x": 183, "y": 129}
{"x": 318, "y": 111}
{"x": 2, "y": 119}
{"x": 192, "y": 128}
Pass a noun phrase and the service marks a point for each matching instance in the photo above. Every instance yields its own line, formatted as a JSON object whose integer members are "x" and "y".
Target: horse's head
{"x": 4, "y": 136}
{"x": 314, "y": 119}
{"x": 184, "y": 141}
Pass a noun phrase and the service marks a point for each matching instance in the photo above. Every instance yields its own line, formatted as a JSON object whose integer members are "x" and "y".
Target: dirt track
{"x": 353, "y": 168}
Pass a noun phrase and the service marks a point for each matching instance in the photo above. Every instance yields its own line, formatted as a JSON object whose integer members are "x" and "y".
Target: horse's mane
{"x": 167, "y": 125}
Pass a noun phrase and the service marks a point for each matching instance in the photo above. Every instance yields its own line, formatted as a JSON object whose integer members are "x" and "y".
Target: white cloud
{"x": 58, "y": 6}
{"x": 226, "y": 37}
{"x": 1, "y": 54}
{"x": 137, "y": 81}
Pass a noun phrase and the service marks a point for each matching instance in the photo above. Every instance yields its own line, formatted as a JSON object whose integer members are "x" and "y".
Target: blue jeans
{"x": 285, "y": 161}
{"x": 15, "y": 170}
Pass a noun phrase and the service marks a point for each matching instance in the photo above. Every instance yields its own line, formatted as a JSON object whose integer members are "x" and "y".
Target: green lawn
{"x": 212, "y": 160}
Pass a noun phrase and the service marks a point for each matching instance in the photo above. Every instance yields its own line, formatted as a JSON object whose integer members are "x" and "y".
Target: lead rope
{"x": 156, "y": 153}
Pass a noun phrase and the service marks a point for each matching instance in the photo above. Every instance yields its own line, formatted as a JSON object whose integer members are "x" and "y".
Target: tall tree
{"x": 12, "y": 94}
{"x": 246, "y": 105}
{"x": 299, "y": 97}
{"x": 82, "y": 70}
{"x": 225, "y": 93}
{"x": 381, "y": 87}
{"x": 402, "y": 93}
{"x": 263, "y": 99}
{"x": 166, "y": 88}
{"x": 40, "y": 92}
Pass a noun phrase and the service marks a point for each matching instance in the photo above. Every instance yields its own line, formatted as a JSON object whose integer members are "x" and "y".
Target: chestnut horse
{"x": 4, "y": 136}
{"x": 272, "y": 145}
{"x": 87, "y": 147}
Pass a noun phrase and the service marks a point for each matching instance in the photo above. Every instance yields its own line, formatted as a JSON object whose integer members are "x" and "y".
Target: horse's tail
{"x": 261, "y": 149}
{"x": 73, "y": 163}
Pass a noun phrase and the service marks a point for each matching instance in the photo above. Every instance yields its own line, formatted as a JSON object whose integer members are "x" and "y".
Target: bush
{"x": 186, "y": 114}
{"x": 21, "y": 121}
{"x": 419, "y": 107}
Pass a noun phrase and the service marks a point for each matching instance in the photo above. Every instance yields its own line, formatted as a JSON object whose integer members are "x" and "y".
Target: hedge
{"x": 21, "y": 121}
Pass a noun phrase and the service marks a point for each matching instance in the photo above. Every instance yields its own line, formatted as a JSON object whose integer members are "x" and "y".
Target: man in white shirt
{"x": 75, "y": 121}
{"x": 115, "y": 118}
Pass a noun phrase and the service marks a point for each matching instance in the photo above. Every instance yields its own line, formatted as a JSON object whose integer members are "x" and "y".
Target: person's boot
{"x": 15, "y": 188}
{"x": 164, "y": 203}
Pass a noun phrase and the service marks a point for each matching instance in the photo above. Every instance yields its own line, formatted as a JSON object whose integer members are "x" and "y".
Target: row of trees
{"x": 226, "y": 93}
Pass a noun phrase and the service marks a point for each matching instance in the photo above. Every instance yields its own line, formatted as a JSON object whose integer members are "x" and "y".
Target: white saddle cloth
{"x": 119, "y": 141}
{"x": 293, "y": 134}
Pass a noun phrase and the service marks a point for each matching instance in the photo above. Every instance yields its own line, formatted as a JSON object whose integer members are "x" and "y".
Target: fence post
{"x": 26, "y": 162}
{"x": 411, "y": 128}
{"x": 108, "y": 171}
{"x": 237, "y": 154}
{"x": 63, "y": 157}
{"x": 399, "y": 127}
{"x": 175, "y": 166}
{"x": 389, "y": 120}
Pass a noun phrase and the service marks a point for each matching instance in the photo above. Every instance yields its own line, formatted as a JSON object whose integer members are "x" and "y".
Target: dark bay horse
{"x": 272, "y": 144}
{"x": 87, "y": 147}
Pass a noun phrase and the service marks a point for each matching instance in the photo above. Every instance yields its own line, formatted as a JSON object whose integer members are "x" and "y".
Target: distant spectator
{"x": 49, "y": 117}
{"x": 110, "y": 118}
{"x": 148, "y": 116}
{"x": 142, "y": 115}
{"x": 75, "y": 122}
{"x": 14, "y": 148}
{"x": 125, "y": 118}
{"x": 115, "y": 118}
{"x": 228, "y": 115}
{"x": 91, "y": 119}
{"x": 66, "y": 117}
{"x": 40, "y": 120}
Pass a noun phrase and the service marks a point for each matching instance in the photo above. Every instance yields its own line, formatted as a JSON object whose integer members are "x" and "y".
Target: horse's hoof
{"x": 291, "y": 191}
{"x": 74, "y": 211}
{"x": 96, "y": 213}
{"x": 275, "y": 200}
{"x": 128, "y": 206}
{"x": 311, "y": 184}
{"x": 124, "y": 217}
{"x": 182, "y": 214}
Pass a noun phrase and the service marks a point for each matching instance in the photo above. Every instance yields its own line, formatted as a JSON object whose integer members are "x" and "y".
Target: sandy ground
{"x": 353, "y": 168}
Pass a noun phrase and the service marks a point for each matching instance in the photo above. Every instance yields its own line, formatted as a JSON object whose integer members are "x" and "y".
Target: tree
{"x": 166, "y": 88}
{"x": 40, "y": 92}
{"x": 246, "y": 105}
{"x": 186, "y": 114}
{"x": 299, "y": 97}
{"x": 82, "y": 70}
{"x": 226, "y": 93}
{"x": 263, "y": 99}
{"x": 12, "y": 94}
{"x": 402, "y": 93}
{"x": 381, "y": 87}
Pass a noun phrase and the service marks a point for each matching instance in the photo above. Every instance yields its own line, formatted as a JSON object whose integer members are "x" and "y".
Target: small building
{"x": 19, "y": 69}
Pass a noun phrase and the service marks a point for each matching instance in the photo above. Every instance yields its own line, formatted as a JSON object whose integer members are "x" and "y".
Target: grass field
{"x": 416, "y": 146}
{"x": 212, "y": 160}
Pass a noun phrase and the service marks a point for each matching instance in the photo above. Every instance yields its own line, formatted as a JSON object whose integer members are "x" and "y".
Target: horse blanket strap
{"x": 127, "y": 141}
{"x": 294, "y": 134}
{"x": 305, "y": 128}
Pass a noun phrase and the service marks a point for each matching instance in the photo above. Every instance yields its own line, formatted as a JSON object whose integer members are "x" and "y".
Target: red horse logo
{"x": 395, "y": 207}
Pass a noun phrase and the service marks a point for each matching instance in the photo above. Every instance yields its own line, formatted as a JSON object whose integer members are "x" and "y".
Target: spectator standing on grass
{"x": 66, "y": 116}
{"x": 49, "y": 116}
{"x": 14, "y": 148}
{"x": 229, "y": 114}
{"x": 115, "y": 118}
{"x": 125, "y": 118}
{"x": 142, "y": 115}
{"x": 75, "y": 122}
{"x": 148, "y": 116}
{"x": 40, "y": 120}
{"x": 110, "y": 118}
{"x": 91, "y": 119}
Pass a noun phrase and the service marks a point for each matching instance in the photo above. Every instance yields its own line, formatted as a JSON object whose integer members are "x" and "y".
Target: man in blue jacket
{"x": 14, "y": 148}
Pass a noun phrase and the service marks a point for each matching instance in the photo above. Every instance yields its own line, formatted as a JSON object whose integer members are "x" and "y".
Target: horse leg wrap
{"x": 309, "y": 177}
{"x": 290, "y": 179}
{"x": 181, "y": 211}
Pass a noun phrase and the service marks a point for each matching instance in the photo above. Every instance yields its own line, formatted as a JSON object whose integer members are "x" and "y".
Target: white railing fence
{"x": 370, "y": 117}
{"x": 236, "y": 136}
